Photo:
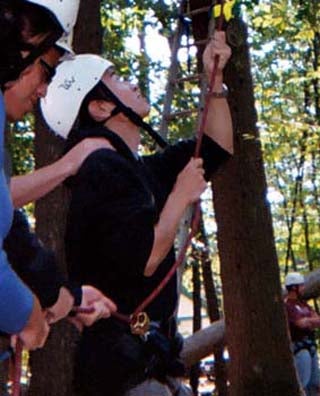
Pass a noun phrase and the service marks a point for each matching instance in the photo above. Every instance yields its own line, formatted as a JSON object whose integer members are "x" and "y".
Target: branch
{"x": 201, "y": 343}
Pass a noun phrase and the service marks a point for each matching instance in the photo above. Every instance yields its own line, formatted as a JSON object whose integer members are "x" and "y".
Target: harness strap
{"x": 133, "y": 116}
{"x": 308, "y": 344}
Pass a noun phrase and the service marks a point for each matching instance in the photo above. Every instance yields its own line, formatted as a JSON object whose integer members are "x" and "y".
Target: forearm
{"x": 31, "y": 187}
{"x": 308, "y": 323}
{"x": 315, "y": 322}
{"x": 165, "y": 231}
{"x": 219, "y": 123}
{"x": 62, "y": 307}
{"x": 35, "y": 333}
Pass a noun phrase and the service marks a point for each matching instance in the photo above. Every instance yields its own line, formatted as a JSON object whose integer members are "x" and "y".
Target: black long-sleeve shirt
{"x": 115, "y": 205}
{"x": 35, "y": 264}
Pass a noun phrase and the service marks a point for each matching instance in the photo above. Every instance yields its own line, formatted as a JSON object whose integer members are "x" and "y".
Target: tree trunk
{"x": 53, "y": 365}
{"x": 261, "y": 361}
{"x": 88, "y": 30}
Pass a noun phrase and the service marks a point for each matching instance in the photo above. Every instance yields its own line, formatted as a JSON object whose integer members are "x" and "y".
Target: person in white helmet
{"x": 303, "y": 321}
{"x": 29, "y": 30}
{"x": 124, "y": 214}
{"x": 24, "y": 27}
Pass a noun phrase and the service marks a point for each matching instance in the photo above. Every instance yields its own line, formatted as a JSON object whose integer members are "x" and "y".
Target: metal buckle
{"x": 139, "y": 324}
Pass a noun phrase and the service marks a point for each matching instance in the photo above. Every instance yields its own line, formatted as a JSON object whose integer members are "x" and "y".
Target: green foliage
{"x": 126, "y": 19}
{"x": 20, "y": 145}
{"x": 285, "y": 42}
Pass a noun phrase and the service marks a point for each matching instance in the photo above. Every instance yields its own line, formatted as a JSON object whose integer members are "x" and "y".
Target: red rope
{"x": 16, "y": 381}
{"x": 197, "y": 207}
{"x": 90, "y": 310}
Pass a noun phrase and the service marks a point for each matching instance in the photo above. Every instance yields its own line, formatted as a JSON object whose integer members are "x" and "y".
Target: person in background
{"x": 303, "y": 321}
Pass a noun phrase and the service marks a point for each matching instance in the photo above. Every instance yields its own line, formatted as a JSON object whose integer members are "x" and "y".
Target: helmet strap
{"x": 132, "y": 115}
{"x": 113, "y": 113}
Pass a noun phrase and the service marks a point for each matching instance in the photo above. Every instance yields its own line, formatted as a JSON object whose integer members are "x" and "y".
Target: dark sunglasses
{"x": 49, "y": 70}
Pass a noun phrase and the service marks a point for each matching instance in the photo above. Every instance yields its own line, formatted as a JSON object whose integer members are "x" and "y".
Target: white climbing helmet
{"x": 294, "y": 278}
{"x": 65, "y": 42}
{"x": 66, "y": 11}
{"x": 73, "y": 80}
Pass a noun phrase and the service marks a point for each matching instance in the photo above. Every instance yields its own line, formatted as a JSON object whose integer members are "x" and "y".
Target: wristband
{"x": 222, "y": 94}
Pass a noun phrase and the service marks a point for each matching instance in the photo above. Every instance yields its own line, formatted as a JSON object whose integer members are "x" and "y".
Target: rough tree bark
{"x": 257, "y": 336}
{"x": 52, "y": 366}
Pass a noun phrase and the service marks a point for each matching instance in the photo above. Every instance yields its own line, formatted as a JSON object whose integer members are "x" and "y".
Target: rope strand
{"x": 16, "y": 381}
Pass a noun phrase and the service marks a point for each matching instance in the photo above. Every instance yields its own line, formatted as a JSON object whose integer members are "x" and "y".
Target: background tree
{"x": 260, "y": 365}
{"x": 286, "y": 48}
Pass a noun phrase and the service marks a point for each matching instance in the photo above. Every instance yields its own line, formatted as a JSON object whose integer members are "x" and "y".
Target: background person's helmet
{"x": 74, "y": 79}
{"x": 65, "y": 11}
{"x": 294, "y": 278}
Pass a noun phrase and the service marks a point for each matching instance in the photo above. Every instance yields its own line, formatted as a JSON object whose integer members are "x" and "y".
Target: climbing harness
{"x": 308, "y": 344}
{"x": 139, "y": 324}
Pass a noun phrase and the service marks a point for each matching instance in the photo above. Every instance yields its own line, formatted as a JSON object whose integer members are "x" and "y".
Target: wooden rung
{"x": 198, "y": 11}
{"x": 172, "y": 116}
{"x": 194, "y": 77}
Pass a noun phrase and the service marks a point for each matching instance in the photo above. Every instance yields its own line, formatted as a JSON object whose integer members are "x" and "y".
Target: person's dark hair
{"x": 20, "y": 21}
{"x": 291, "y": 287}
{"x": 101, "y": 91}
{"x": 34, "y": 19}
